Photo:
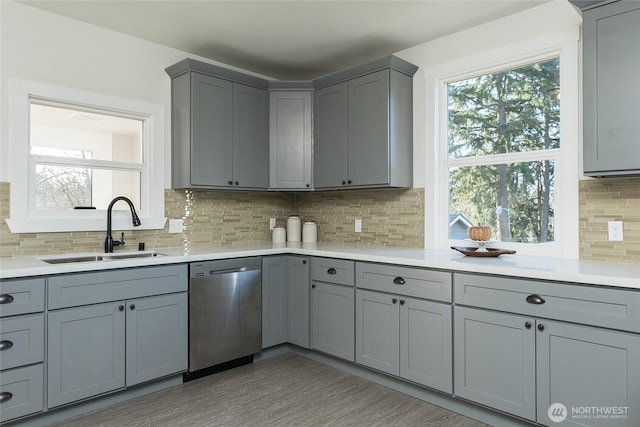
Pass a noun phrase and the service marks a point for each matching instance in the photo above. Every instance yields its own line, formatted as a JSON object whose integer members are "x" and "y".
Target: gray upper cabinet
{"x": 290, "y": 140}
{"x": 330, "y": 137}
{"x": 363, "y": 135}
{"x": 612, "y": 89}
{"x": 220, "y": 128}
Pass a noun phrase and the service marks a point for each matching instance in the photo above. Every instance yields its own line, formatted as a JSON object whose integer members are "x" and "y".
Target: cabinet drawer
{"x": 21, "y": 341}
{"x": 605, "y": 307}
{"x": 22, "y": 392}
{"x": 21, "y": 296}
{"x": 71, "y": 290}
{"x": 331, "y": 270}
{"x": 414, "y": 282}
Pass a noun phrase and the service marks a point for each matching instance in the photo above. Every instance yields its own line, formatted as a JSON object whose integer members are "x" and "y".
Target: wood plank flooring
{"x": 286, "y": 390}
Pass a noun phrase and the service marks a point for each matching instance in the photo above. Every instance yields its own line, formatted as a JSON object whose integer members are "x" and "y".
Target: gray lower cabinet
{"x": 285, "y": 300}
{"x": 298, "y": 301}
{"x": 274, "y": 300}
{"x": 584, "y": 367}
{"x": 332, "y": 319}
{"x": 495, "y": 360}
{"x": 21, "y": 392}
{"x": 290, "y": 140}
{"x": 406, "y": 337}
{"x": 612, "y": 89}
{"x": 86, "y": 352}
{"x": 157, "y": 334}
{"x": 523, "y": 365}
{"x": 100, "y": 348}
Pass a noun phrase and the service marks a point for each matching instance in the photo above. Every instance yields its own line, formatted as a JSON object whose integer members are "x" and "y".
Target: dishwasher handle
{"x": 227, "y": 271}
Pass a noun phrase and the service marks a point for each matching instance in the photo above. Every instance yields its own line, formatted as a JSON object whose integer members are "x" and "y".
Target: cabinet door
{"x": 583, "y": 367}
{"x": 298, "y": 331}
{"x": 369, "y": 129}
{"x": 378, "y": 331}
{"x": 330, "y": 142}
{"x": 212, "y": 131}
{"x": 86, "y": 352}
{"x": 426, "y": 343}
{"x": 612, "y": 89}
{"x": 156, "y": 337}
{"x": 250, "y": 137}
{"x": 332, "y": 319}
{"x": 290, "y": 140}
{"x": 274, "y": 300}
{"x": 495, "y": 360}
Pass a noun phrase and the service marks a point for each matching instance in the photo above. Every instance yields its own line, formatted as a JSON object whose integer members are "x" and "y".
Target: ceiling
{"x": 287, "y": 40}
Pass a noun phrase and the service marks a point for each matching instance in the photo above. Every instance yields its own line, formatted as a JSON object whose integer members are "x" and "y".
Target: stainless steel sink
{"x": 103, "y": 257}
{"x": 130, "y": 255}
{"x": 72, "y": 259}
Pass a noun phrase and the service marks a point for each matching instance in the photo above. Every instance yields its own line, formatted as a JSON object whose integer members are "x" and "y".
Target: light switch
{"x": 615, "y": 231}
{"x": 358, "y": 226}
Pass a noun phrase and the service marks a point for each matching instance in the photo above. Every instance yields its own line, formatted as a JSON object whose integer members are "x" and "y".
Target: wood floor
{"x": 286, "y": 390}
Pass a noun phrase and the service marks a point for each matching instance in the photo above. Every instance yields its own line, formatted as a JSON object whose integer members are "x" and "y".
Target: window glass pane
{"x": 67, "y": 187}
{"x": 509, "y": 111}
{"x": 516, "y": 200}
{"x": 64, "y": 132}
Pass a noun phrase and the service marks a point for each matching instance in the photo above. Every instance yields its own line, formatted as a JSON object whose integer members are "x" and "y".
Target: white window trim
{"x": 24, "y": 218}
{"x": 566, "y": 217}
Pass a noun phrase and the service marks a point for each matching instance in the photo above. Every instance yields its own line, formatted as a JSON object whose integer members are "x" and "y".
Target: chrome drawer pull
{"x": 5, "y": 345}
{"x": 535, "y": 299}
{"x": 5, "y": 396}
{"x": 6, "y": 299}
{"x": 331, "y": 271}
{"x": 399, "y": 281}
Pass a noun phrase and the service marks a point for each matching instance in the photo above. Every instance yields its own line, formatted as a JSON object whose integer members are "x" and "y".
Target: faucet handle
{"x": 119, "y": 242}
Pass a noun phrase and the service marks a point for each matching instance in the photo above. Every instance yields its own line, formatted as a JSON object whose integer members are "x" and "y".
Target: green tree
{"x": 506, "y": 112}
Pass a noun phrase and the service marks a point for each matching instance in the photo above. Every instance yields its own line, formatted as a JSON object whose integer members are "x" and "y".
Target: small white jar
{"x": 294, "y": 229}
{"x": 309, "y": 232}
{"x": 279, "y": 235}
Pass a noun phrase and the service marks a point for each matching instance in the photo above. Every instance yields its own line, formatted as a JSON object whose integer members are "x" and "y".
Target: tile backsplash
{"x": 604, "y": 200}
{"x": 389, "y": 217}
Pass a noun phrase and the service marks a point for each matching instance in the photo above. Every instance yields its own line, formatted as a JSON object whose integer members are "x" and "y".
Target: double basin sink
{"x": 101, "y": 257}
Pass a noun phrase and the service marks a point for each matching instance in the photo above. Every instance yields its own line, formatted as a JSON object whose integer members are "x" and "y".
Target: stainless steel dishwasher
{"x": 225, "y": 314}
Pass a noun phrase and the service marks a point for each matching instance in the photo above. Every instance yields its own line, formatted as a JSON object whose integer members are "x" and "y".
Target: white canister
{"x": 294, "y": 229}
{"x": 279, "y": 235}
{"x": 309, "y": 232}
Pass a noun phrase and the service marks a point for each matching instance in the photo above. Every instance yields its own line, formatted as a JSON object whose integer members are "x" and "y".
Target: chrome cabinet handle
{"x": 331, "y": 271}
{"x": 5, "y": 345}
{"x": 6, "y": 299}
{"x": 535, "y": 299}
{"x": 399, "y": 281}
{"x": 5, "y": 396}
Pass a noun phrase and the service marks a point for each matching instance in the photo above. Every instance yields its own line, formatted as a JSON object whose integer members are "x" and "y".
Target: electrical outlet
{"x": 272, "y": 223}
{"x": 175, "y": 225}
{"x": 358, "y": 226}
{"x": 615, "y": 231}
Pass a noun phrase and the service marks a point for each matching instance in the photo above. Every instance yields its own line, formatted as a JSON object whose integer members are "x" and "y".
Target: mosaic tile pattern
{"x": 604, "y": 200}
{"x": 390, "y": 217}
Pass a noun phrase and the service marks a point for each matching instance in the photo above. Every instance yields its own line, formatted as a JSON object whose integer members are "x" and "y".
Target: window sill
{"x": 31, "y": 225}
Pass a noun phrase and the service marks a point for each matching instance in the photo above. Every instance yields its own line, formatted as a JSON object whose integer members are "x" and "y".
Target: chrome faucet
{"x": 109, "y": 243}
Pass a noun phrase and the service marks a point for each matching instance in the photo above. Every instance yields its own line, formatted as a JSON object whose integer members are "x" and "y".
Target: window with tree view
{"x": 503, "y": 139}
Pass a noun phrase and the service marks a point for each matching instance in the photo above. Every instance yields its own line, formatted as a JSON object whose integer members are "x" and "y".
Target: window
{"x": 503, "y": 135}
{"x": 505, "y": 150}
{"x": 74, "y": 151}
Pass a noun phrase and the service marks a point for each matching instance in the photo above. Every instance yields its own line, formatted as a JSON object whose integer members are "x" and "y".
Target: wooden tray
{"x": 489, "y": 253}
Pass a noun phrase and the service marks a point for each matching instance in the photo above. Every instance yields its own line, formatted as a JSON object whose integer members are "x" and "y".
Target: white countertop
{"x": 587, "y": 272}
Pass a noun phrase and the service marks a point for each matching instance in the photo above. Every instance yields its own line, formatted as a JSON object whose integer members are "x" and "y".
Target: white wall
{"x": 550, "y": 17}
{"x": 48, "y": 48}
